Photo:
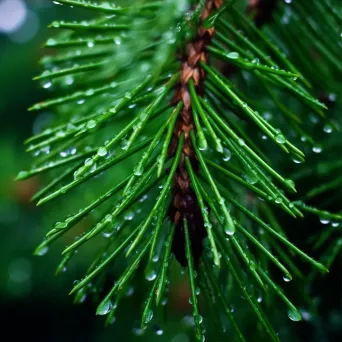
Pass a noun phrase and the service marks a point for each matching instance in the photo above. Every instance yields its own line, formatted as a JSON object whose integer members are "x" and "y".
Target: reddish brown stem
{"x": 184, "y": 204}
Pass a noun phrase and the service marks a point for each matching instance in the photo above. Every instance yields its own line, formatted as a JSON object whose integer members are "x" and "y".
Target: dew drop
{"x": 60, "y": 225}
{"x": 250, "y": 178}
{"x": 129, "y": 216}
{"x": 42, "y": 250}
{"x": 138, "y": 331}
{"x": 327, "y": 128}
{"x": 290, "y": 183}
{"x": 139, "y": 170}
{"x": 199, "y": 319}
{"x": 229, "y": 230}
{"x": 22, "y": 174}
{"x": 294, "y": 315}
{"x": 280, "y": 139}
{"x": 241, "y": 142}
{"x": 104, "y": 308}
{"x": 287, "y": 278}
{"x": 232, "y": 55}
{"x": 297, "y": 161}
{"x": 226, "y": 154}
{"x": 102, "y": 151}
{"x": 324, "y": 220}
{"x": 91, "y": 124}
{"x": 47, "y": 85}
{"x": 89, "y": 92}
{"x": 124, "y": 144}
{"x": 89, "y": 162}
{"x": 148, "y": 317}
{"x": 150, "y": 274}
{"x": 317, "y": 149}
{"x": 158, "y": 330}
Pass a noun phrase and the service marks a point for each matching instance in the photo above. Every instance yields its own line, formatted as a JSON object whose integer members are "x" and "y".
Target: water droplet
{"x": 226, "y": 154}
{"x": 138, "y": 331}
{"x": 317, "y": 149}
{"x": 324, "y": 220}
{"x": 143, "y": 198}
{"x": 129, "y": 216}
{"x": 148, "y": 317}
{"x": 250, "y": 178}
{"x": 139, "y": 170}
{"x": 229, "y": 230}
{"x": 60, "y": 225}
{"x": 287, "y": 278}
{"x": 280, "y": 139}
{"x": 42, "y": 250}
{"x": 89, "y": 162}
{"x": 47, "y": 84}
{"x": 202, "y": 142}
{"x": 297, "y": 161}
{"x": 91, "y": 124}
{"x": 102, "y": 151}
{"x": 327, "y": 128}
{"x": 117, "y": 41}
{"x": 51, "y": 42}
{"x": 124, "y": 144}
{"x": 104, "y": 308}
{"x": 290, "y": 183}
{"x": 130, "y": 291}
{"x": 158, "y": 330}
{"x": 22, "y": 175}
{"x": 241, "y": 142}
{"x": 294, "y": 315}
{"x": 232, "y": 55}
{"x": 89, "y": 92}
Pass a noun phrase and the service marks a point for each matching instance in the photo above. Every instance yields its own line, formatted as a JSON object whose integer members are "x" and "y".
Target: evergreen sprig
{"x": 140, "y": 113}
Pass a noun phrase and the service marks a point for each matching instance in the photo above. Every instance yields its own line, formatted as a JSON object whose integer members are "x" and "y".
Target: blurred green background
{"x": 34, "y": 303}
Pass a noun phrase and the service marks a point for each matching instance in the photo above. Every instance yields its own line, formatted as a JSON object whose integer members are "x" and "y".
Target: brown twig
{"x": 184, "y": 204}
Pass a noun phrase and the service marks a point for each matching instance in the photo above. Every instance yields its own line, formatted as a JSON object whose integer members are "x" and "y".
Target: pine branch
{"x": 161, "y": 93}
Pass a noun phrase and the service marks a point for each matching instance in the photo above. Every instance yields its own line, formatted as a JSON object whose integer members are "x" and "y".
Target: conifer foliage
{"x": 173, "y": 120}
